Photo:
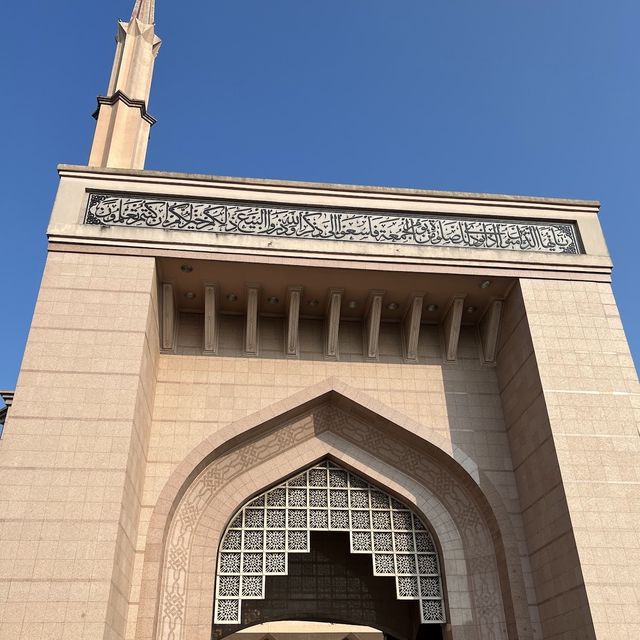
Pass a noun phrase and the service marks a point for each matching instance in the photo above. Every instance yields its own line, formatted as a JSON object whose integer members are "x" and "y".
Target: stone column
{"x": 571, "y": 398}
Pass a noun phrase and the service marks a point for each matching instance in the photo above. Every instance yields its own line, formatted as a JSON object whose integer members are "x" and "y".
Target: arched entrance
{"x": 233, "y": 467}
{"x": 328, "y": 545}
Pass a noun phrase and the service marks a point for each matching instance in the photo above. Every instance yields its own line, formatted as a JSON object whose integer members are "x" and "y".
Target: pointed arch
{"x": 407, "y": 459}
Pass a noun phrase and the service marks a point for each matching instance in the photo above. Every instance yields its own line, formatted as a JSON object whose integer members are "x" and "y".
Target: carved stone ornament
{"x": 326, "y": 497}
{"x": 256, "y": 219}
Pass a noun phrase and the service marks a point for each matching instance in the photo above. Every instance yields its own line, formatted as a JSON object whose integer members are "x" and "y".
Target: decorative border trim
{"x": 118, "y": 96}
{"x": 263, "y": 219}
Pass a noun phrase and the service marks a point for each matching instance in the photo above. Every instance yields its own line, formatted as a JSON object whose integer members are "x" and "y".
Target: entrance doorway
{"x": 330, "y": 585}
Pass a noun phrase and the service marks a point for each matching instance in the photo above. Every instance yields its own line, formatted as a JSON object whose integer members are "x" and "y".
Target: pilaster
{"x": 76, "y": 447}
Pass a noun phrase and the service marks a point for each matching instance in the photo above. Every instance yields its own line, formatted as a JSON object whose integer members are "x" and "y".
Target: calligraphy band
{"x": 249, "y": 218}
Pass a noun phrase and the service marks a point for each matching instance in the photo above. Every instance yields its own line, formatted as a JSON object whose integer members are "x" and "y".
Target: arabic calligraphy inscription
{"x": 331, "y": 224}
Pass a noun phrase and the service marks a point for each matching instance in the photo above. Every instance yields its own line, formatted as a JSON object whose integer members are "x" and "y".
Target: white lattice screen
{"x": 326, "y": 497}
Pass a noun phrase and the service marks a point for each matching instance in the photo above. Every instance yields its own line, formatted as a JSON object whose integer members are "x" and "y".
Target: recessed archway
{"x": 389, "y": 450}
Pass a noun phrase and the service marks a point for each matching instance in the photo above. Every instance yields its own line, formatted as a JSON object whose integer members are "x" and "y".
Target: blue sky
{"x": 536, "y": 97}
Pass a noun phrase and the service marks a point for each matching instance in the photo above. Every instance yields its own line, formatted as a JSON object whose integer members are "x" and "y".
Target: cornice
{"x": 169, "y": 177}
{"x": 118, "y": 96}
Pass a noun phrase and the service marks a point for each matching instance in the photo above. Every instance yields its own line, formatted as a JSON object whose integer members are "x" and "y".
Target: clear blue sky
{"x": 507, "y": 96}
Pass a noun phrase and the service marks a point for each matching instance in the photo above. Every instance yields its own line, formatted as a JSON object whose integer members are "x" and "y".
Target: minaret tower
{"x": 123, "y": 123}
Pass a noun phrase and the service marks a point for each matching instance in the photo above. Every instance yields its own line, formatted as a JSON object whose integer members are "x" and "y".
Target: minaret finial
{"x": 144, "y": 11}
{"x": 122, "y": 130}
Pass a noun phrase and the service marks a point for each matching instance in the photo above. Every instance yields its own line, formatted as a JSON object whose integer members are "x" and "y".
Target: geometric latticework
{"x": 326, "y": 497}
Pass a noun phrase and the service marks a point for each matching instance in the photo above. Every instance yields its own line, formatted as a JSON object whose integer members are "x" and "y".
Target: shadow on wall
{"x": 468, "y": 394}
{"x": 474, "y": 411}
{"x": 472, "y": 405}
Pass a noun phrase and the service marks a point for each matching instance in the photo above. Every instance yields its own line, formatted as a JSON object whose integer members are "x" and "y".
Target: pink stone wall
{"x": 73, "y": 452}
{"x": 590, "y": 390}
{"x": 102, "y": 424}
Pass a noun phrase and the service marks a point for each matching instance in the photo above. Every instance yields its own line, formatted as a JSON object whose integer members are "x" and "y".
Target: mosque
{"x": 260, "y": 409}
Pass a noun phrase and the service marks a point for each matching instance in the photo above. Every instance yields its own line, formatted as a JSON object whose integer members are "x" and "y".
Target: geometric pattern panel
{"x": 326, "y": 497}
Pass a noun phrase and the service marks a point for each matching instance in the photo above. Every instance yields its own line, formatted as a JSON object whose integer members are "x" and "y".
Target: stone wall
{"x": 458, "y": 404}
{"x": 590, "y": 391}
{"x": 72, "y": 459}
{"x": 102, "y": 423}
{"x": 552, "y": 567}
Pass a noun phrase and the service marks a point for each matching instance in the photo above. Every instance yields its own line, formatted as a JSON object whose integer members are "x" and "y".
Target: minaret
{"x": 123, "y": 124}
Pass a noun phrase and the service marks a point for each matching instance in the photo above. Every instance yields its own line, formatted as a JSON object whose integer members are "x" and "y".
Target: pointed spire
{"x": 144, "y": 10}
{"x": 123, "y": 123}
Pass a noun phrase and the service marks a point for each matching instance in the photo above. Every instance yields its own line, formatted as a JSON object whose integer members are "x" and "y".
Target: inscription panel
{"x": 248, "y": 218}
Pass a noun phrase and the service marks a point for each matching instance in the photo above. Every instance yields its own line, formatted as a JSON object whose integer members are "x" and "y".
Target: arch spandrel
{"x": 234, "y": 466}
